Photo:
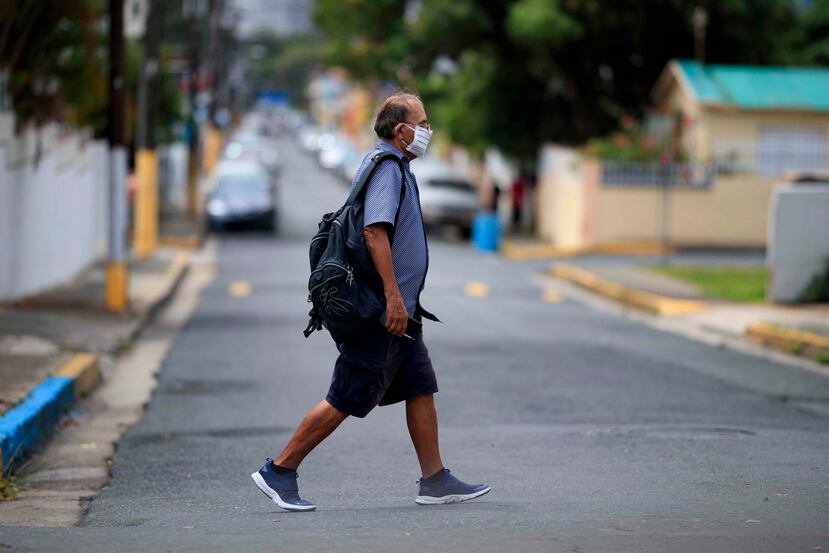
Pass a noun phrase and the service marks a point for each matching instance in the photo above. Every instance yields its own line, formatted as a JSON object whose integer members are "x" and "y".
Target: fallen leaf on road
{"x": 818, "y": 548}
{"x": 782, "y": 494}
{"x": 752, "y": 520}
{"x": 276, "y": 520}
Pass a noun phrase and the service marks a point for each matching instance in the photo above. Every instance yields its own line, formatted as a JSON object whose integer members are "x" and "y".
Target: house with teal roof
{"x": 758, "y": 119}
{"x": 742, "y": 128}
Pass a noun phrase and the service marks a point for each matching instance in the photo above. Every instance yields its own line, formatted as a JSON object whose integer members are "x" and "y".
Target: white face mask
{"x": 422, "y": 136}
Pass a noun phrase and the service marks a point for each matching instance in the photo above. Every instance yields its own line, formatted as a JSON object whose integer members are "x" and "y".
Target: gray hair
{"x": 395, "y": 108}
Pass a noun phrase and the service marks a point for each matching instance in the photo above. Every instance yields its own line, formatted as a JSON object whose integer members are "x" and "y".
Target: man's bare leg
{"x": 422, "y": 420}
{"x": 317, "y": 425}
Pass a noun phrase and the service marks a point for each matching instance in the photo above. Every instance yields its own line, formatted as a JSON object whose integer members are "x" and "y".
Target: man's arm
{"x": 376, "y": 237}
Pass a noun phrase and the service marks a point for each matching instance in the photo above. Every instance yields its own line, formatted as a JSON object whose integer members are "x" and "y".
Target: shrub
{"x": 818, "y": 288}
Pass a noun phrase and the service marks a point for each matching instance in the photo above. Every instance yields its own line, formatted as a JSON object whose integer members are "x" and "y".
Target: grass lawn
{"x": 744, "y": 284}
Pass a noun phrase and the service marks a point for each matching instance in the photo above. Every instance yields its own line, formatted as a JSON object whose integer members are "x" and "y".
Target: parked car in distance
{"x": 250, "y": 146}
{"x": 446, "y": 198}
{"x": 241, "y": 196}
{"x": 334, "y": 157}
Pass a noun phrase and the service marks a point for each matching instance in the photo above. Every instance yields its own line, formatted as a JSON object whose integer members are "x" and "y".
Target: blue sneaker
{"x": 281, "y": 488}
{"x": 445, "y": 488}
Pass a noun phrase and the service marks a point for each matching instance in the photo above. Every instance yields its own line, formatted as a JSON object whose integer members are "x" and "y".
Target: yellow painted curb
{"x": 517, "y": 251}
{"x": 653, "y": 303}
{"x": 83, "y": 370}
{"x": 189, "y": 242}
{"x": 786, "y": 339}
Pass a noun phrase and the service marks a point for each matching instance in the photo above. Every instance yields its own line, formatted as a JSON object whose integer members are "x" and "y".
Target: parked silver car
{"x": 446, "y": 198}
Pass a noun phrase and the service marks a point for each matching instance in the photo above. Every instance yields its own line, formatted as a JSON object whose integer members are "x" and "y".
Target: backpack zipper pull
{"x": 349, "y": 278}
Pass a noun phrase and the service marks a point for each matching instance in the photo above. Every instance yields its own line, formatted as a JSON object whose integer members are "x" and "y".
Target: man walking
{"x": 388, "y": 364}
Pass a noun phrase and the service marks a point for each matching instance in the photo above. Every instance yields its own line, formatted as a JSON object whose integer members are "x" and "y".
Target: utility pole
{"x": 193, "y": 11}
{"x": 212, "y": 139}
{"x": 116, "y": 271}
{"x": 146, "y": 159}
{"x": 700, "y": 21}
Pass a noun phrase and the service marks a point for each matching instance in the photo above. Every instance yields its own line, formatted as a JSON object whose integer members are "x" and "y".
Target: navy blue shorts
{"x": 380, "y": 369}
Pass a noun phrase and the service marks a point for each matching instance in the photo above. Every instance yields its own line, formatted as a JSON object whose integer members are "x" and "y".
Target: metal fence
{"x": 777, "y": 151}
{"x": 687, "y": 174}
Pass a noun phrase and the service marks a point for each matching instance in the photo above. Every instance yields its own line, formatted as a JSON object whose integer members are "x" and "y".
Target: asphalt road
{"x": 596, "y": 433}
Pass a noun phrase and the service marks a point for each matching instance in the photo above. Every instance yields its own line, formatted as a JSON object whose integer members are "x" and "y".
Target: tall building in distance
{"x": 282, "y": 17}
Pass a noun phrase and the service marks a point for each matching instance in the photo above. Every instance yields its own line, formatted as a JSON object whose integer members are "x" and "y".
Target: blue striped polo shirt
{"x": 409, "y": 250}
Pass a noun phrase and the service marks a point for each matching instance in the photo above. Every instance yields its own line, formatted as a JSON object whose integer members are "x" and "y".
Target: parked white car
{"x": 446, "y": 197}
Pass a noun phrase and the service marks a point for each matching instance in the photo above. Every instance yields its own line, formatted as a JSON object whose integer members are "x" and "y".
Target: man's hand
{"x": 397, "y": 319}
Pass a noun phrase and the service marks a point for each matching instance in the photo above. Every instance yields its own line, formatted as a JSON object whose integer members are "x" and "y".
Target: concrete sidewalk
{"x": 801, "y": 330}
{"x": 50, "y": 345}
{"x": 178, "y": 230}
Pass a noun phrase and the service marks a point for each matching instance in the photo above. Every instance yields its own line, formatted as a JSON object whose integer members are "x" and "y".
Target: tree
{"x": 516, "y": 73}
{"x": 53, "y": 54}
{"x": 809, "y": 43}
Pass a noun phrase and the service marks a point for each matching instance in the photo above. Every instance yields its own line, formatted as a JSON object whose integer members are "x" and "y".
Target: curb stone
{"x": 787, "y": 339}
{"x": 653, "y": 303}
{"x": 30, "y": 422}
{"x": 514, "y": 250}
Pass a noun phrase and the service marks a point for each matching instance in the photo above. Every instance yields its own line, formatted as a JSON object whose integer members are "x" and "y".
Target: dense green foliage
{"x": 282, "y": 64}
{"x": 54, "y": 55}
{"x": 818, "y": 288}
{"x": 508, "y": 73}
{"x": 513, "y": 73}
{"x": 808, "y": 42}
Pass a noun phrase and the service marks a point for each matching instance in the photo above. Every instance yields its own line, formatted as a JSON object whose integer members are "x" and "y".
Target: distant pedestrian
{"x": 519, "y": 188}
{"x": 390, "y": 363}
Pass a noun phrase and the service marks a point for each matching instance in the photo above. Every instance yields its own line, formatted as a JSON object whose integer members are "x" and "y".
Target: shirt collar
{"x": 386, "y": 147}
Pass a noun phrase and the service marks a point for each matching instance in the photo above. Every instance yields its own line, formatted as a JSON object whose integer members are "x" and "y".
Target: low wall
{"x": 53, "y": 216}
{"x": 577, "y": 211}
{"x": 732, "y": 212}
{"x": 562, "y": 196}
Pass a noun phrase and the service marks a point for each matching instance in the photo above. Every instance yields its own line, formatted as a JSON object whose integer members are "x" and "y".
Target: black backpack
{"x": 344, "y": 288}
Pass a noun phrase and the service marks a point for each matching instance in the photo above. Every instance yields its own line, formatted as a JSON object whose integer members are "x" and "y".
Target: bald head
{"x": 397, "y": 108}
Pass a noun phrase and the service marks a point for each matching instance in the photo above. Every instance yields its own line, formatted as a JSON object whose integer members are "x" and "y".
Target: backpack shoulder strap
{"x": 377, "y": 156}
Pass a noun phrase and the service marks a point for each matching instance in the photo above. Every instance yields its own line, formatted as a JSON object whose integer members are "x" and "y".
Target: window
{"x": 790, "y": 149}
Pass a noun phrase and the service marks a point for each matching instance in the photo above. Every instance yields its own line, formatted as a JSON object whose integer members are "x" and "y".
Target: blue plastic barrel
{"x": 486, "y": 232}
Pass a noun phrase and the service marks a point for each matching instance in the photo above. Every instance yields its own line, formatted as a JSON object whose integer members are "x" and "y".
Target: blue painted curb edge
{"x": 29, "y": 423}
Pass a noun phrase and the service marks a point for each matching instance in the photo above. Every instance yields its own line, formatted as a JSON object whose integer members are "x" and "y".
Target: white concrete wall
{"x": 53, "y": 216}
{"x": 798, "y": 239}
